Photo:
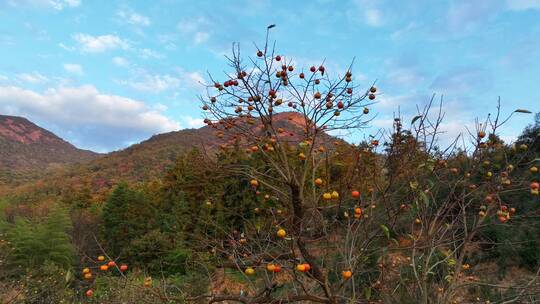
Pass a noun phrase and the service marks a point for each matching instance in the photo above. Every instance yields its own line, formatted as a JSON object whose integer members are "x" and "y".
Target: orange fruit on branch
{"x": 481, "y": 134}
{"x": 147, "y": 282}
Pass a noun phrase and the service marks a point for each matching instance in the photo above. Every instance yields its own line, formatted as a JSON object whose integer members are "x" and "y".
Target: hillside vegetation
{"x": 271, "y": 209}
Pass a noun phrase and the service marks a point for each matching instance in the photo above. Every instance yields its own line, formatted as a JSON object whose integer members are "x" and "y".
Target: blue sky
{"x": 106, "y": 74}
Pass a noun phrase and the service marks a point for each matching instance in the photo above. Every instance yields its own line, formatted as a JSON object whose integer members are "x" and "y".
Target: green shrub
{"x": 34, "y": 243}
{"x": 47, "y": 284}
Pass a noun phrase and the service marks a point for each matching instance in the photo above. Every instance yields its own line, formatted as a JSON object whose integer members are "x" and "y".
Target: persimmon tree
{"x": 341, "y": 223}
{"x": 243, "y": 110}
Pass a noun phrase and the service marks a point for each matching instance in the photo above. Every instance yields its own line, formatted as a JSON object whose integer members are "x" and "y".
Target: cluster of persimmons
{"x": 103, "y": 267}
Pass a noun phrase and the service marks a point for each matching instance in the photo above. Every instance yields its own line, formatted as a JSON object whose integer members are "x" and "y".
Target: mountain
{"x": 151, "y": 157}
{"x": 144, "y": 161}
{"x": 27, "y": 149}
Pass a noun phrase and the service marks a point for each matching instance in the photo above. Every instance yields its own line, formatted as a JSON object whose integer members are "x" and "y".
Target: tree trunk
{"x": 298, "y": 218}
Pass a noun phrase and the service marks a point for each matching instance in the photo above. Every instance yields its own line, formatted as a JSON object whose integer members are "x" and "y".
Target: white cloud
{"x": 201, "y": 37}
{"x": 391, "y": 103}
{"x": 120, "y": 61}
{"x": 148, "y": 53}
{"x": 520, "y": 5}
{"x": 98, "y": 44}
{"x": 383, "y": 123}
{"x": 54, "y": 4}
{"x": 464, "y": 79}
{"x": 65, "y": 47}
{"x": 61, "y": 4}
{"x": 160, "y": 107}
{"x": 73, "y": 3}
{"x": 157, "y": 83}
{"x": 6, "y": 40}
{"x": 196, "y": 29}
{"x": 404, "y": 31}
{"x": 464, "y": 17}
{"x": 33, "y": 78}
{"x": 366, "y": 11}
{"x": 153, "y": 83}
{"x": 168, "y": 41}
{"x": 73, "y": 68}
{"x": 100, "y": 120}
{"x": 405, "y": 76}
{"x": 195, "y": 78}
{"x": 133, "y": 18}
{"x": 193, "y": 123}
{"x": 373, "y": 17}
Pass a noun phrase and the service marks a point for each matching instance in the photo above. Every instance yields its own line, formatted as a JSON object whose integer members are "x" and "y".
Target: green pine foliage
{"x": 127, "y": 215}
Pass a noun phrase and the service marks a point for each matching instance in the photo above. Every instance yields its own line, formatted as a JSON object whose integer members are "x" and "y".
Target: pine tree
{"x": 127, "y": 215}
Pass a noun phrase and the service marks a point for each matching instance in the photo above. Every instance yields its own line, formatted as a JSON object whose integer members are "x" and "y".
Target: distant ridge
{"x": 24, "y": 147}
{"x": 29, "y": 146}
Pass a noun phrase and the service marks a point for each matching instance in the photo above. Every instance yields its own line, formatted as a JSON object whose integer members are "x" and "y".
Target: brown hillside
{"x": 27, "y": 149}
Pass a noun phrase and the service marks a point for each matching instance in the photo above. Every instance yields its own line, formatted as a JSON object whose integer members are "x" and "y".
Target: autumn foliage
{"x": 283, "y": 211}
